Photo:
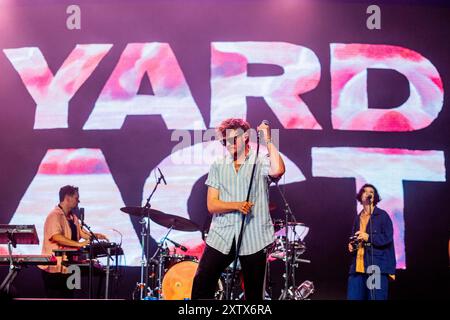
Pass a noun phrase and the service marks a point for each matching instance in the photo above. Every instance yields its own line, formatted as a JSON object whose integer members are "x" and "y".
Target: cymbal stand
{"x": 144, "y": 229}
{"x": 13, "y": 268}
{"x": 161, "y": 253}
{"x": 290, "y": 254}
{"x": 93, "y": 238}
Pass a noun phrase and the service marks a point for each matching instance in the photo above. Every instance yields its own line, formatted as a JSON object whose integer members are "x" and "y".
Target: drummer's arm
{"x": 216, "y": 206}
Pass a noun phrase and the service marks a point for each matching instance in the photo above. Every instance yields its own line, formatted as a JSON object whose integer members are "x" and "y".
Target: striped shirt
{"x": 233, "y": 187}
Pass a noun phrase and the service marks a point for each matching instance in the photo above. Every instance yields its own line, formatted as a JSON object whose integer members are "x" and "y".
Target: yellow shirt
{"x": 363, "y": 220}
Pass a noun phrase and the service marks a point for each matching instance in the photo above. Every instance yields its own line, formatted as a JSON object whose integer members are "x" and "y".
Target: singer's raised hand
{"x": 265, "y": 129}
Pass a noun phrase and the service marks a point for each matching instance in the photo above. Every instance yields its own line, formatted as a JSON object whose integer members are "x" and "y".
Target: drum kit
{"x": 166, "y": 267}
{"x": 169, "y": 275}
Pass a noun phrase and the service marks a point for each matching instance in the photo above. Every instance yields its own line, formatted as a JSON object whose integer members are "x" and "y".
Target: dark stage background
{"x": 194, "y": 80}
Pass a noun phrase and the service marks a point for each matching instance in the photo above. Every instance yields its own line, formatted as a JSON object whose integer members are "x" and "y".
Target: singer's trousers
{"x": 213, "y": 263}
{"x": 359, "y": 289}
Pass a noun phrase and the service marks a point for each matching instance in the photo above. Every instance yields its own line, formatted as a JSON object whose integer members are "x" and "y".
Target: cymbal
{"x": 176, "y": 222}
{"x": 139, "y": 211}
{"x": 163, "y": 219}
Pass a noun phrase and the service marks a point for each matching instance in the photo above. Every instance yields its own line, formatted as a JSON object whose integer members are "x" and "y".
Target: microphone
{"x": 369, "y": 197}
{"x": 81, "y": 214}
{"x": 177, "y": 245}
{"x": 266, "y": 122}
{"x": 162, "y": 176}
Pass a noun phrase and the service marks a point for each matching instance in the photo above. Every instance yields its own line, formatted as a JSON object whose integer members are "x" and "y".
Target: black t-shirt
{"x": 73, "y": 228}
{"x": 72, "y": 225}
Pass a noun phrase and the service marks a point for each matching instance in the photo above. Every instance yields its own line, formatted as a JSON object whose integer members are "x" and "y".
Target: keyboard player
{"x": 62, "y": 230}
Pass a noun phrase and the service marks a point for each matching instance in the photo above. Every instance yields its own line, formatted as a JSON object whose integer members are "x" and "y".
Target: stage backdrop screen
{"x": 100, "y": 94}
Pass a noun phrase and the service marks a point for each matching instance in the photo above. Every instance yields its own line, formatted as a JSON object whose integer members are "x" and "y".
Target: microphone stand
{"x": 145, "y": 241}
{"x": 288, "y": 214}
{"x": 238, "y": 246}
{"x": 91, "y": 255}
{"x": 161, "y": 247}
{"x": 177, "y": 245}
{"x": 372, "y": 292}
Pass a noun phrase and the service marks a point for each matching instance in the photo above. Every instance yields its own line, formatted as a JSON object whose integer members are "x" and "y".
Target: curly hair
{"x": 376, "y": 197}
{"x": 231, "y": 123}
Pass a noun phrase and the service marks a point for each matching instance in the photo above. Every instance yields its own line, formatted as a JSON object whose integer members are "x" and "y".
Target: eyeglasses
{"x": 230, "y": 140}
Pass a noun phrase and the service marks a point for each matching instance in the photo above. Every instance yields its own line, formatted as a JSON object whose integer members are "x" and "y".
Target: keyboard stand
{"x": 15, "y": 235}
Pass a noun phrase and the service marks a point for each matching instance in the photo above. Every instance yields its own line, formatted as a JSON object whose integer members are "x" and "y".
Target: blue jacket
{"x": 379, "y": 250}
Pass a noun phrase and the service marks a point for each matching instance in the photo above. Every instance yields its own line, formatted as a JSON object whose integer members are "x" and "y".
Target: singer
{"x": 62, "y": 229}
{"x": 372, "y": 244}
{"x": 228, "y": 182}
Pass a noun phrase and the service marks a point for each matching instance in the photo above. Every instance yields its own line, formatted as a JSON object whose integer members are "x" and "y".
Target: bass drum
{"x": 178, "y": 280}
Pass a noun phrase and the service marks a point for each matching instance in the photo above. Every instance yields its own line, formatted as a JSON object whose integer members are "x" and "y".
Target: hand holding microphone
{"x": 81, "y": 215}
{"x": 264, "y": 129}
